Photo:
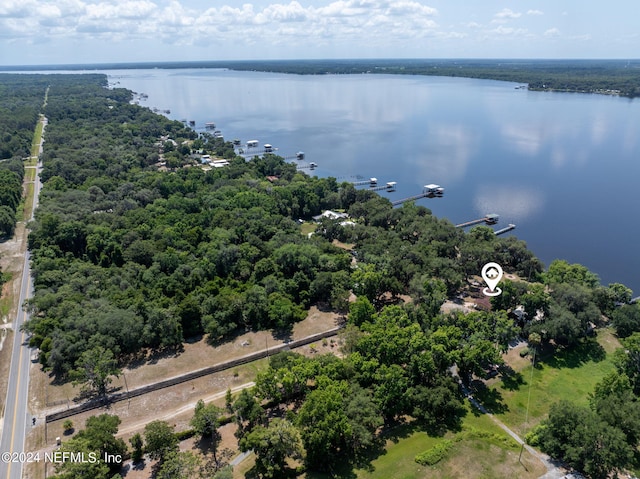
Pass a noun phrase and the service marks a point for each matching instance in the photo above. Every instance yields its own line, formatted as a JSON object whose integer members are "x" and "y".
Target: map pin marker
{"x": 492, "y": 274}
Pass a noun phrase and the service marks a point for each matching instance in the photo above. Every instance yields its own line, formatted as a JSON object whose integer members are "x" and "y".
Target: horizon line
{"x": 112, "y": 64}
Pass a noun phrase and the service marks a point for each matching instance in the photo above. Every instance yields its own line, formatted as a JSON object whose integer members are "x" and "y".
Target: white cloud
{"x": 535, "y": 12}
{"x": 509, "y": 31}
{"x": 581, "y": 38}
{"x": 505, "y": 14}
{"x": 132, "y": 10}
{"x": 552, "y": 32}
{"x": 293, "y": 12}
{"x": 17, "y": 8}
{"x": 368, "y": 21}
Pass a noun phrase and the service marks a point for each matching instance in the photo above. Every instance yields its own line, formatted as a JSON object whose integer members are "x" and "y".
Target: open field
{"x": 472, "y": 456}
{"x": 568, "y": 375}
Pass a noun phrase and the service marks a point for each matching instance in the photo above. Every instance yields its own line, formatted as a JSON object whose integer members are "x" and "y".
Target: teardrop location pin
{"x": 492, "y": 274}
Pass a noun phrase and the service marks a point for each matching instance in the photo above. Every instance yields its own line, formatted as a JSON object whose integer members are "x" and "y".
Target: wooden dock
{"x": 490, "y": 219}
{"x": 505, "y": 230}
{"x": 311, "y": 166}
{"x": 372, "y": 182}
{"x": 390, "y": 186}
{"x": 428, "y": 192}
{"x": 298, "y": 156}
{"x": 410, "y": 198}
{"x": 471, "y": 223}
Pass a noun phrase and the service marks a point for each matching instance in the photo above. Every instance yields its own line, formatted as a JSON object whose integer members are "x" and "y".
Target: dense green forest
{"x": 136, "y": 247}
{"x": 618, "y": 77}
{"x": 21, "y": 98}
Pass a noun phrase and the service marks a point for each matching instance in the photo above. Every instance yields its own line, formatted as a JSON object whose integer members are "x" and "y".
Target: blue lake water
{"x": 565, "y": 168}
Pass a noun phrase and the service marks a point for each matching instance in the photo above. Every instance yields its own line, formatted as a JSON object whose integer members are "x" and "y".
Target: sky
{"x": 37, "y": 32}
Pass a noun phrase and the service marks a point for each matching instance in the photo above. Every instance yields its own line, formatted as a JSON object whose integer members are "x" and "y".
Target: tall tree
{"x": 584, "y": 441}
{"x": 95, "y": 369}
{"x": 179, "y": 465}
{"x": 159, "y": 439}
{"x": 95, "y": 442}
{"x": 273, "y": 445}
{"x": 324, "y": 426}
{"x": 206, "y": 421}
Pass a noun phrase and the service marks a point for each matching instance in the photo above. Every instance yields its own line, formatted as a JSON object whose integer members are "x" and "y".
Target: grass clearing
{"x": 26, "y": 206}
{"x": 37, "y": 137}
{"x": 481, "y": 450}
{"x": 5, "y": 302}
{"x": 30, "y": 174}
{"x": 570, "y": 375}
{"x": 307, "y": 228}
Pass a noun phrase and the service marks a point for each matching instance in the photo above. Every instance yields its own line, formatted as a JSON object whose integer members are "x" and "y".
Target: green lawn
{"x": 307, "y": 227}
{"x": 480, "y": 450}
{"x": 569, "y": 375}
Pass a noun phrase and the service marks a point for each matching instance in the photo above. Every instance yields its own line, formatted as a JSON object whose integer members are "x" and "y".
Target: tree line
{"x": 21, "y": 98}
{"x": 584, "y": 76}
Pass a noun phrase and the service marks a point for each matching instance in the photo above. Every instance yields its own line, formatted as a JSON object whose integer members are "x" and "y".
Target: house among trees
{"x": 333, "y": 215}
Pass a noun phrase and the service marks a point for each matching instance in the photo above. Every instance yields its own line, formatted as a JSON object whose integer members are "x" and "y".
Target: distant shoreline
{"x": 608, "y": 77}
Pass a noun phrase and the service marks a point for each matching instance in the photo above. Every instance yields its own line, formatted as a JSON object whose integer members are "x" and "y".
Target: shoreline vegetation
{"x": 136, "y": 248}
{"x": 609, "y": 77}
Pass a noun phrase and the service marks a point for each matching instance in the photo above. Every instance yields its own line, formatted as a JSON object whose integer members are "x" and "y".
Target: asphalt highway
{"x": 16, "y": 415}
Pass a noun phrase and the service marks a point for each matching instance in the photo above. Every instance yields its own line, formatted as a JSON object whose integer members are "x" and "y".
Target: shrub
{"x": 186, "y": 434}
{"x": 67, "y": 425}
{"x": 435, "y": 454}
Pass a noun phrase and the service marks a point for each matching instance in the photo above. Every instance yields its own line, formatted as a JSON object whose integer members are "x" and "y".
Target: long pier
{"x": 298, "y": 156}
{"x": 390, "y": 186}
{"x": 371, "y": 182}
{"x": 311, "y": 166}
{"x": 490, "y": 219}
{"x": 505, "y": 230}
{"x": 471, "y": 223}
{"x": 428, "y": 191}
{"x": 410, "y": 198}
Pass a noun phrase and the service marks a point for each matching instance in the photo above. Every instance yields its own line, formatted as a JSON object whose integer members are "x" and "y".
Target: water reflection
{"x": 514, "y": 203}
{"x": 444, "y": 152}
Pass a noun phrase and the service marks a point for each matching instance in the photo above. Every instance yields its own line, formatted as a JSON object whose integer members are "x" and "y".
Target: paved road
{"x": 16, "y": 416}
